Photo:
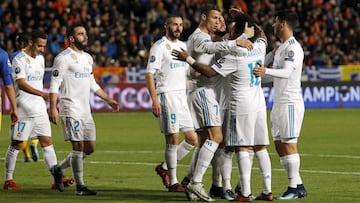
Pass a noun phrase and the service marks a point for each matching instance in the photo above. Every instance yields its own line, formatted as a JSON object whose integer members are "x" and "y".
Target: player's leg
{"x": 244, "y": 167}
{"x": 226, "y": 169}
{"x": 216, "y": 189}
{"x": 33, "y": 149}
{"x": 26, "y": 151}
{"x": 42, "y": 128}
{"x": 264, "y": 162}
{"x": 171, "y": 161}
{"x": 18, "y": 133}
{"x": 291, "y": 120}
{"x": 10, "y": 163}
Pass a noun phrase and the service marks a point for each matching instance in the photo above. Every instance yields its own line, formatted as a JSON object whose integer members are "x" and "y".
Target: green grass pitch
{"x": 129, "y": 146}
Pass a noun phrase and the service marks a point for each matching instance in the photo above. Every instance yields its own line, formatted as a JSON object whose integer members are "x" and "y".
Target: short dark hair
{"x": 290, "y": 17}
{"x": 168, "y": 17}
{"x": 239, "y": 26}
{"x": 22, "y": 38}
{"x": 209, "y": 7}
{"x": 70, "y": 30}
{"x": 38, "y": 34}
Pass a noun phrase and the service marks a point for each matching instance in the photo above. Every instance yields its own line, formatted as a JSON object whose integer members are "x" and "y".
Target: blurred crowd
{"x": 122, "y": 31}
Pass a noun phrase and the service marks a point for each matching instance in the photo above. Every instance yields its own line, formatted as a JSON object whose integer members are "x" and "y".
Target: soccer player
{"x": 22, "y": 41}
{"x": 5, "y": 73}
{"x": 247, "y": 105}
{"x": 288, "y": 110}
{"x": 169, "y": 97}
{"x": 204, "y": 102}
{"x": 29, "y": 68}
{"x": 72, "y": 73}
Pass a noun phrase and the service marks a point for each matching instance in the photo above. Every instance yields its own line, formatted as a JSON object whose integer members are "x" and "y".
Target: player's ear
{"x": 203, "y": 17}
{"x": 71, "y": 38}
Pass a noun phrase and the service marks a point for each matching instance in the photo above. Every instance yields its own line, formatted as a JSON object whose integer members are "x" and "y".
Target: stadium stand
{"x": 122, "y": 31}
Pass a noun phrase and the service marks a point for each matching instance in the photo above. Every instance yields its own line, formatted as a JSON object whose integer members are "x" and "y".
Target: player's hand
{"x": 53, "y": 115}
{"x": 259, "y": 70}
{"x": 114, "y": 105}
{"x": 179, "y": 55}
{"x": 46, "y": 96}
{"x": 235, "y": 11}
{"x": 249, "y": 31}
{"x": 245, "y": 43}
{"x": 14, "y": 117}
{"x": 156, "y": 109}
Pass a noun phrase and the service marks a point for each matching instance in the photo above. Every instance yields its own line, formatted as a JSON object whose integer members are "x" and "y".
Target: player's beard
{"x": 80, "y": 45}
{"x": 173, "y": 35}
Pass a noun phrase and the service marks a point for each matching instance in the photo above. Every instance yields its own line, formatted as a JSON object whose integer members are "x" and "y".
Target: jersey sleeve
{"x": 18, "y": 67}
{"x": 5, "y": 69}
{"x": 57, "y": 74}
{"x": 155, "y": 58}
{"x": 94, "y": 86}
{"x": 224, "y": 66}
{"x": 203, "y": 44}
{"x": 293, "y": 57}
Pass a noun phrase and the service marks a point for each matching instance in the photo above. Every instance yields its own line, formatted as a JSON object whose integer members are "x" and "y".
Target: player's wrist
{"x": 190, "y": 60}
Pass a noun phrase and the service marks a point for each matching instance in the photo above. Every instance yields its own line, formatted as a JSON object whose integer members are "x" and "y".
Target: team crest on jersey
{"x": 152, "y": 59}
{"x": 17, "y": 70}
{"x": 55, "y": 73}
{"x": 73, "y": 56}
{"x": 27, "y": 60}
{"x": 18, "y": 134}
{"x": 168, "y": 46}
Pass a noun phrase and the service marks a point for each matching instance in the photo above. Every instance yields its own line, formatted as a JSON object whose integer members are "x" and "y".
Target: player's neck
{"x": 30, "y": 53}
{"x": 76, "y": 49}
{"x": 171, "y": 39}
{"x": 285, "y": 36}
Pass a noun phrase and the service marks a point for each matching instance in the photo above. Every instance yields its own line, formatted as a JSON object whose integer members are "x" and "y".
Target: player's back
{"x": 247, "y": 95}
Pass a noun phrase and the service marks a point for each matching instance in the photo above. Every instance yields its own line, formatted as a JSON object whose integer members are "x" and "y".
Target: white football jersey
{"x": 246, "y": 92}
{"x": 72, "y": 73}
{"x": 169, "y": 74}
{"x": 289, "y": 55}
{"x": 32, "y": 70}
{"x": 203, "y": 50}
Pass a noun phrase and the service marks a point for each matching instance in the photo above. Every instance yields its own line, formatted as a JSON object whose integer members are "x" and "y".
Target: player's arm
{"x": 156, "y": 107}
{"x": 206, "y": 70}
{"x": 55, "y": 82}
{"x": 112, "y": 102}
{"x": 8, "y": 85}
{"x": 280, "y": 73}
{"x": 23, "y": 85}
{"x": 10, "y": 92}
{"x": 53, "y": 112}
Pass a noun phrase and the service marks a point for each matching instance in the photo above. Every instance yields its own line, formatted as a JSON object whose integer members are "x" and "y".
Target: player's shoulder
{"x": 160, "y": 41}
{"x": 65, "y": 52}
{"x": 19, "y": 56}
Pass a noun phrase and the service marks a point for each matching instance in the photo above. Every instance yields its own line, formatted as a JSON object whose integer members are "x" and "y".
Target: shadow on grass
{"x": 106, "y": 194}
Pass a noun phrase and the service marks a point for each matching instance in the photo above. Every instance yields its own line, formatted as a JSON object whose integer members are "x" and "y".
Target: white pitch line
{"x": 254, "y": 168}
{"x": 273, "y": 154}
